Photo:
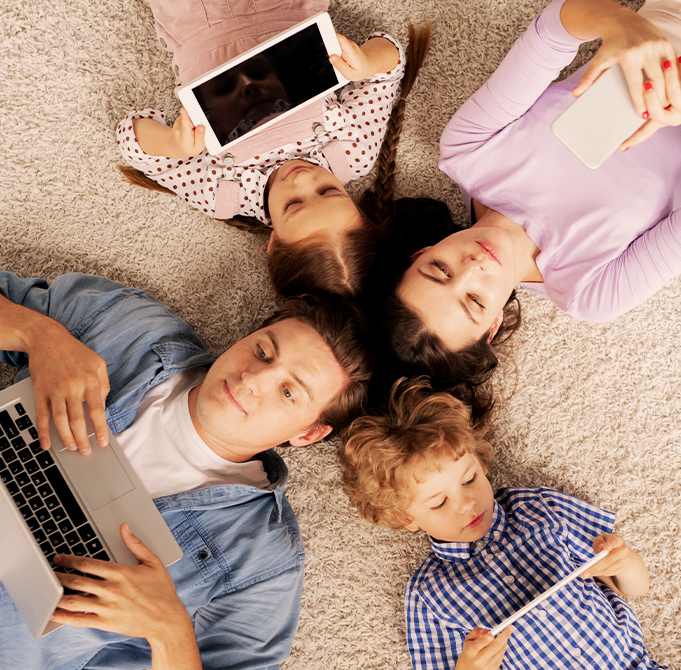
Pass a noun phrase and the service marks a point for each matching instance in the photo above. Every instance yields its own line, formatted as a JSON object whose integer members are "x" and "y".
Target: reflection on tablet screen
{"x": 268, "y": 84}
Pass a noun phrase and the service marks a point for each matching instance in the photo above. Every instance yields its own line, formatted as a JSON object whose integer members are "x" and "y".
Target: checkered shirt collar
{"x": 462, "y": 551}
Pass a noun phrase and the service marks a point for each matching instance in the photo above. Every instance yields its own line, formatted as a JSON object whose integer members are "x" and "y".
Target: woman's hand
{"x": 136, "y": 601}
{"x": 642, "y": 51}
{"x": 481, "y": 651}
{"x": 356, "y": 63}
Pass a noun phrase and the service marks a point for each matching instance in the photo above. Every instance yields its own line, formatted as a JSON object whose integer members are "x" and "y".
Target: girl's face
{"x": 460, "y": 286}
{"x": 305, "y": 199}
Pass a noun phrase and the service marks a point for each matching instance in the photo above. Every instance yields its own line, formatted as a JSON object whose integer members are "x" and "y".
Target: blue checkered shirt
{"x": 537, "y": 537}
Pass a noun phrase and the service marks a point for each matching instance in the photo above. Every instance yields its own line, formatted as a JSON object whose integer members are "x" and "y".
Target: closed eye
{"x": 441, "y": 505}
{"x": 471, "y": 480}
{"x": 289, "y": 203}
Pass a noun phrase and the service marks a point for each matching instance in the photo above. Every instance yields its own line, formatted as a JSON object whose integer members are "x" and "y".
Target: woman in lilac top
{"x": 594, "y": 242}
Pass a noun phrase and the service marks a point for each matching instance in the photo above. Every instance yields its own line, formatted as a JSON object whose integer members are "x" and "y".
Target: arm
{"x": 137, "y": 601}
{"x": 356, "y": 63}
{"x": 183, "y": 140}
{"x": 65, "y": 374}
{"x": 638, "y": 46}
{"x": 622, "y": 570}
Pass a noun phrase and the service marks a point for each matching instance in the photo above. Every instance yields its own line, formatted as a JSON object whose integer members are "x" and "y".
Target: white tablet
{"x": 596, "y": 123}
{"x": 264, "y": 84}
{"x": 549, "y": 592}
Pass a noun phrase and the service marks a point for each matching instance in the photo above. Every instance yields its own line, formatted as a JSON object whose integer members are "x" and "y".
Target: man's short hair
{"x": 342, "y": 326}
{"x": 382, "y": 455}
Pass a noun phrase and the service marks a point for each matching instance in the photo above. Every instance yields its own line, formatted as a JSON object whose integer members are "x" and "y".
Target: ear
{"x": 315, "y": 434}
{"x": 410, "y": 525}
{"x": 495, "y": 326}
{"x": 270, "y": 243}
{"x": 415, "y": 255}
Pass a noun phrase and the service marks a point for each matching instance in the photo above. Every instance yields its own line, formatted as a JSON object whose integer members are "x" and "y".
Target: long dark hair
{"x": 338, "y": 267}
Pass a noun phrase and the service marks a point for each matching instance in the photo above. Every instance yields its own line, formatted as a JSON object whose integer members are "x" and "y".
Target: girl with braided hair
{"x": 288, "y": 181}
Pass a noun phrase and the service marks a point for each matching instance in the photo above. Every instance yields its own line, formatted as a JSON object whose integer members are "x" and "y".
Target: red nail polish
{"x": 667, "y": 65}
{"x": 648, "y": 86}
{"x": 679, "y": 59}
{"x": 627, "y": 149}
{"x": 645, "y": 116}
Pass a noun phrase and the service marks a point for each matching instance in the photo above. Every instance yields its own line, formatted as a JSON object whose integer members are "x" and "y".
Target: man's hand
{"x": 356, "y": 63}
{"x": 622, "y": 569}
{"x": 65, "y": 374}
{"x": 136, "y": 601}
{"x": 481, "y": 651}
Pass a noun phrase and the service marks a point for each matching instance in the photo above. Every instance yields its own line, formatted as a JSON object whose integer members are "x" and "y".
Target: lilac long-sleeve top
{"x": 608, "y": 238}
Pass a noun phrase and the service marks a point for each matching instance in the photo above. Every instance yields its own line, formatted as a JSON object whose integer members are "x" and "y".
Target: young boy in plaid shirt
{"x": 424, "y": 466}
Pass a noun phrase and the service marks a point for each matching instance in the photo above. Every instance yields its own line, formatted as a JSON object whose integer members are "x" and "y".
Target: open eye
{"x": 476, "y": 300}
{"x": 440, "y": 267}
{"x": 260, "y": 353}
{"x": 287, "y": 394}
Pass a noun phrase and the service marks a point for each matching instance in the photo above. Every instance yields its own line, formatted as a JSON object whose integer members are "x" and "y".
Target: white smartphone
{"x": 597, "y": 122}
{"x": 264, "y": 84}
{"x": 549, "y": 592}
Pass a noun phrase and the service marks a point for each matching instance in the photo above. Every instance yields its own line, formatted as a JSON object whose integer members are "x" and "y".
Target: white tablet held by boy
{"x": 264, "y": 84}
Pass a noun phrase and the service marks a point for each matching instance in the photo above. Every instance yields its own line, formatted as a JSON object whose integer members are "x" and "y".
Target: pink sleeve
{"x": 648, "y": 263}
{"x": 533, "y": 62}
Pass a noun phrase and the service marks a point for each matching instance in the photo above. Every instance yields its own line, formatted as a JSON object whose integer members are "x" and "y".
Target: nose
{"x": 248, "y": 86}
{"x": 466, "y": 503}
{"x": 256, "y": 381}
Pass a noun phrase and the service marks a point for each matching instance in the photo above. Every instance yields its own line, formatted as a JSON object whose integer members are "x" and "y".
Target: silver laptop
{"x": 58, "y": 501}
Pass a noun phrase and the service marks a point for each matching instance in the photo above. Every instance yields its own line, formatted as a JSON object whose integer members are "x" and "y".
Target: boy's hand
{"x": 615, "y": 563}
{"x": 187, "y": 140}
{"x": 481, "y": 651}
{"x": 356, "y": 63}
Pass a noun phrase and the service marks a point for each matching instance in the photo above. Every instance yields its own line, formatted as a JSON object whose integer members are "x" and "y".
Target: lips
{"x": 489, "y": 250}
{"x": 476, "y": 522}
{"x": 294, "y": 168}
{"x": 232, "y": 399}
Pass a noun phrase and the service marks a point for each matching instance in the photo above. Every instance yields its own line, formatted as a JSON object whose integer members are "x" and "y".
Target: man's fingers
{"x": 138, "y": 549}
{"x": 98, "y": 416}
{"x": 79, "y": 619}
{"x": 60, "y": 416}
{"x": 90, "y": 566}
{"x": 42, "y": 419}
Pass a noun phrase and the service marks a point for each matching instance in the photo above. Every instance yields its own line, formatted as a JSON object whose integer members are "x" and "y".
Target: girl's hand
{"x": 481, "y": 651}
{"x": 355, "y": 63}
{"x": 186, "y": 139}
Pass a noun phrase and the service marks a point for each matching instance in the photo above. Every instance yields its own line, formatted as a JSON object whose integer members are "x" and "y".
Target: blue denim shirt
{"x": 241, "y": 574}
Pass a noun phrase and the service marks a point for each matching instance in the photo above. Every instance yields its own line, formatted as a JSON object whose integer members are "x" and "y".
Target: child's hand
{"x": 481, "y": 651}
{"x": 623, "y": 570}
{"x": 355, "y": 63}
{"x": 186, "y": 139}
{"x": 615, "y": 563}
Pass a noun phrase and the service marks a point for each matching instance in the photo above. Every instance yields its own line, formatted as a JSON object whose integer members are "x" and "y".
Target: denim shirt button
{"x": 203, "y": 554}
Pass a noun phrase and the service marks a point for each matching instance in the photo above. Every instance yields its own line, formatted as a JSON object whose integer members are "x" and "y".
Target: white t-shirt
{"x": 167, "y": 453}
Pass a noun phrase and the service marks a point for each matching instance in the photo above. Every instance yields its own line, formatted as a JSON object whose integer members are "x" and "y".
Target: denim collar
{"x": 462, "y": 551}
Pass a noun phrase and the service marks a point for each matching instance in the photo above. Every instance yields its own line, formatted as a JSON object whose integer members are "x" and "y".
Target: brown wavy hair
{"x": 343, "y": 327}
{"x": 322, "y": 263}
{"x": 382, "y": 455}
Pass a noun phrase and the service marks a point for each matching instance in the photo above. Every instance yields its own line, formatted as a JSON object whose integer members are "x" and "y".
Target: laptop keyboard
{"x": 39, "y": 490}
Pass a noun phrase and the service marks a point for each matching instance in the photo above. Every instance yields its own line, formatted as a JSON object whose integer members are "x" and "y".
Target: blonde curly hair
{"x": 381, "y": 455}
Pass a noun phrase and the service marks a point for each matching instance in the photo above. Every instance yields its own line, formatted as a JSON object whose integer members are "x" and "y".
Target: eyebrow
{"x": 306, "y": 387}
{"x": 435, "y": 280}
{"x": 340, "y": 194}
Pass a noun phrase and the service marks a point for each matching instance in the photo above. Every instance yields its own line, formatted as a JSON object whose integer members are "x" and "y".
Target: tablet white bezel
{"x": 549, "y": 592}
{"x": 186, "y": 92}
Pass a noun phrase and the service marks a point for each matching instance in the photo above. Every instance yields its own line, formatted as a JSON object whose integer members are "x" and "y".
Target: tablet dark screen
{"x": 277, "y": 79}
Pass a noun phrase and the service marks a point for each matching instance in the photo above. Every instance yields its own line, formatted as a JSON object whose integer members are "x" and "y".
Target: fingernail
{"x": 86, "y": 452}
{"x": 648, "y": 86}
{"x": 56, "y": 558}
{"x": 103, "y": 441}
{"x": 679, "y": 59}
{"x": 667, "y": 65}
{"x": 72, "y": 446}
{"x": 44, "y": 444}
{"x": 645, "y": 116}
{"x": 625, "y": 150}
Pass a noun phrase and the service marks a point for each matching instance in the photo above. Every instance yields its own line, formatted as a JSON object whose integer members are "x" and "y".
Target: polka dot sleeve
{"x": 194, "y": 179}
{"x": 360, "y": 117}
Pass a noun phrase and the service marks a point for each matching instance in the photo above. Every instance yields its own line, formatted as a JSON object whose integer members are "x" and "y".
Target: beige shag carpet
{"x": 592, "y": 410}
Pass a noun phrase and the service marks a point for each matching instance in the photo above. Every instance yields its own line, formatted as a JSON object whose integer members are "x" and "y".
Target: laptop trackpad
{"x": 100, "y": 476}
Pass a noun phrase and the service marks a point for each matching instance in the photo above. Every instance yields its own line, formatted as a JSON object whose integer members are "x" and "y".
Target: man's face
{"x": 269, "y": 388}
{"x": 454, "y": 503}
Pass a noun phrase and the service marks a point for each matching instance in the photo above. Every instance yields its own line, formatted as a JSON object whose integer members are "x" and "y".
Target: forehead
{"x": 442, "y": 466}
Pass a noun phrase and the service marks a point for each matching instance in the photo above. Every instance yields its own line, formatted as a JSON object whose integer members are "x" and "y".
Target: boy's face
{"x": 453, "y": 504}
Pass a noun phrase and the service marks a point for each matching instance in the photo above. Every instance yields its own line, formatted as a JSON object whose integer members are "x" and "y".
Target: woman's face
{"x": 460, "y": 286}
{"x": 305, "y": 199}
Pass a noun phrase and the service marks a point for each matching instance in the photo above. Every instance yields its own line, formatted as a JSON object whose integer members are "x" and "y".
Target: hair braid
{"x": 379, "y": 199}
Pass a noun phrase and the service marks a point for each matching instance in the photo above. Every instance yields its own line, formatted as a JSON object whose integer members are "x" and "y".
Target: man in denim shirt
{"x": 239, "y": 582}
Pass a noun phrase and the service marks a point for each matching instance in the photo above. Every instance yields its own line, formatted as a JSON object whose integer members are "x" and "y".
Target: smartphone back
{"x": 596, "y": 124}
